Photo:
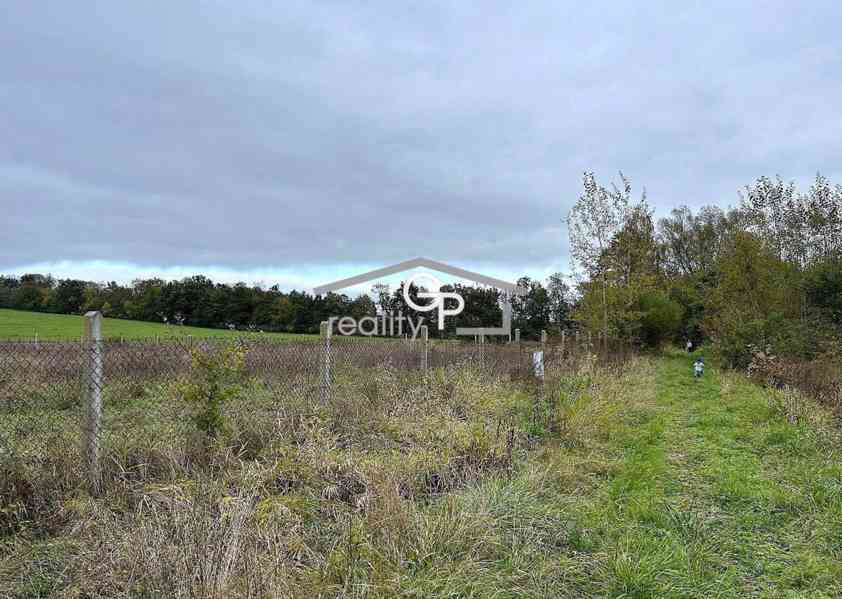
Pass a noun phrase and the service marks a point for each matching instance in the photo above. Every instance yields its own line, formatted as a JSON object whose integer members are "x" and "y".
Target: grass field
{"x": 16, "y": 324}
{"x": 639, "y": 482}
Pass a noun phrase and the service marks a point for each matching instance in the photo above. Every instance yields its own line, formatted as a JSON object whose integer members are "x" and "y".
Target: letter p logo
{"x": 435, "y": 294}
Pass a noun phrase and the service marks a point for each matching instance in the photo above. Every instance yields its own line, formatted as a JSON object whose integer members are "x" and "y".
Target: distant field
{"x": 16, "y": 324}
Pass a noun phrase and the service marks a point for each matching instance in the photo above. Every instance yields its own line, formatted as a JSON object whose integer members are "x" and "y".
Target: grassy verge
{"x": 710, "y": 488}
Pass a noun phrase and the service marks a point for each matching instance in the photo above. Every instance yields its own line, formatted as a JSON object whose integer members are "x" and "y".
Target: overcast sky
{"x": 296, "y": 143}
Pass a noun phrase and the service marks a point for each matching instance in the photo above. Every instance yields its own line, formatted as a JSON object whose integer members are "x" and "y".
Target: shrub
{"x": 215, "y": 377}
{"x": 819, "y": 378}
{"x": 660, "y": 320}
{"x": 824, "y": 289}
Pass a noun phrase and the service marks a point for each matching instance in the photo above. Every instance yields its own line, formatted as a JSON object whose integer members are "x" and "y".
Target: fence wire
{"x": 101, "y": 408}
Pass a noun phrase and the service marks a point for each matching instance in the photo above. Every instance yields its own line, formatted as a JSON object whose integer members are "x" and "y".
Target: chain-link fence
{"x": 98, "y": 408}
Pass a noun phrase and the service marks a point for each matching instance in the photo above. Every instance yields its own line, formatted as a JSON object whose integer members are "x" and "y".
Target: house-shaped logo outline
{"x": 509, "y": 289}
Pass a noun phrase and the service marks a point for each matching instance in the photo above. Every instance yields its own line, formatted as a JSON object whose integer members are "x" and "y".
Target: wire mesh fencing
{"x": 92, "y": 410}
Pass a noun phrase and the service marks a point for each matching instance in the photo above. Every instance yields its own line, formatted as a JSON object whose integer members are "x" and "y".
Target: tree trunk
{"x": 604, "y": 307}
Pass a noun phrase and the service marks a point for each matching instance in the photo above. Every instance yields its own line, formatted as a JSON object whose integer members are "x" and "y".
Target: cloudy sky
{"x": 295, "y": 143}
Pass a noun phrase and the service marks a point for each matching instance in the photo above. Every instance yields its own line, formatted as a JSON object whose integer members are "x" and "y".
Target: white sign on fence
{"x": 538, "y": 364}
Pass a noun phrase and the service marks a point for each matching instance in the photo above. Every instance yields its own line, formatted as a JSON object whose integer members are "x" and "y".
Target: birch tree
{"x": 597, "y": 216}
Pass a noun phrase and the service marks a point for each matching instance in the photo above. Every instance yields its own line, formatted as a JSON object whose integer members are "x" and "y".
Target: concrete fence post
{"x": 519, "y": 350}
{"x": 563, "y": 340}
{"x": 425, "y": 355}
{"x": 543, "y": 352}
{"x": 92, "y": 400}
{"x": 324, "y": 388}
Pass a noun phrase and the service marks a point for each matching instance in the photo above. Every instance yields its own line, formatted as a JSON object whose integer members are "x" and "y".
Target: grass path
{"x": 699, "y": 489}
{"x": 713, "y": 493}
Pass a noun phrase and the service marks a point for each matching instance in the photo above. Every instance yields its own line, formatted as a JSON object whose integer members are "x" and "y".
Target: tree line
{"x": 764, "y": 275}
{"x": 198, "y": 301}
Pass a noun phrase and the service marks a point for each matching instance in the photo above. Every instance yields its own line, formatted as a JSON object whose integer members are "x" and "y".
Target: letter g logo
{"x": 435, "y": 294}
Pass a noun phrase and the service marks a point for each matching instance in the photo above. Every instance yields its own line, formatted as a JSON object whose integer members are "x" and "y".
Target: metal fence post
{"x": 324, "y": 389}
{"x": 92, "y": 400}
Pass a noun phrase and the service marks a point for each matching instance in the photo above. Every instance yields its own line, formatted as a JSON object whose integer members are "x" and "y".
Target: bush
{"x": 819, "y": 378}
{"x": 215, "y": 377}
{"x": 660, "y": 320}
{"x": 738, "y": 341}
{"x": 824, "y": 290}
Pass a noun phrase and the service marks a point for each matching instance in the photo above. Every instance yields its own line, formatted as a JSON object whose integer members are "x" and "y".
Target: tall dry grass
{"x": 292, "y": 499}
{"x": 819, "y": 379}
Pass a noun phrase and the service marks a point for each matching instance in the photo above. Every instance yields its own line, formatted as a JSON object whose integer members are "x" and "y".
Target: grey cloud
{"x": 250, "y": 135}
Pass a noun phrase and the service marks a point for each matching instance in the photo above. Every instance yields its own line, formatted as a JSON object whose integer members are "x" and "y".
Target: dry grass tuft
{"x": 289, "y": 499}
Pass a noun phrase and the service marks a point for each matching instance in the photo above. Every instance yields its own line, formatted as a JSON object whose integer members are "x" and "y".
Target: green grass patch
{"x": 21, "y": 325}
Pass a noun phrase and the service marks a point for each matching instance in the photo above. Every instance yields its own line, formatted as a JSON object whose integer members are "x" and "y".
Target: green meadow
{"x": 20, "y": 325}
